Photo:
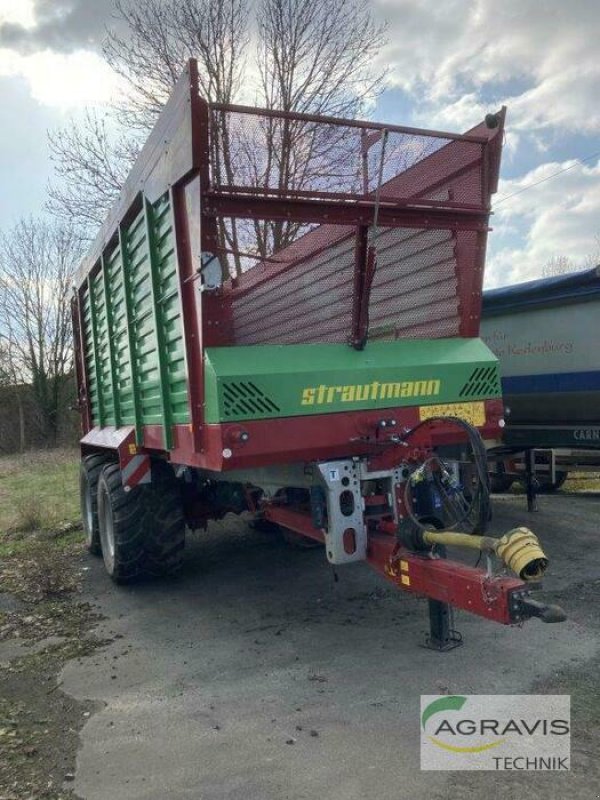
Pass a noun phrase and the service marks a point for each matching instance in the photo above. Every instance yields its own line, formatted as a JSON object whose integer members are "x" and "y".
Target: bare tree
{"x": 37, "y": 262}
{"x": 317, "y": 59}
{"x": 12, "y": 397}
{"x": 5, "y": 364}
{"x": 159, "y": 37}
{"x": 558, "y": 265}
{"x": 563, "y": 265}
{"x": 308, "y": 57}
{"x": 91, "y": 165}
{"x": 593, "y": 258}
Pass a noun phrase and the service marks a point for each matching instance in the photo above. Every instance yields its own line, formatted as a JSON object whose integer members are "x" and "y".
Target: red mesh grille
{"x": 306, "y": 296}
{"x": 297, "y": 278}
{"x": 291, "y": 158}
{"x": 415, "y": 289}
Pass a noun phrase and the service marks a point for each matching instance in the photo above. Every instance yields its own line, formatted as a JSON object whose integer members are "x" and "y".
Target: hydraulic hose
{"x": 480, "y": 501}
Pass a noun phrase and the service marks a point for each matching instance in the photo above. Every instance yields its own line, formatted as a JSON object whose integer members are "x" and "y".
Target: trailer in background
{"x": 546, "y": 335}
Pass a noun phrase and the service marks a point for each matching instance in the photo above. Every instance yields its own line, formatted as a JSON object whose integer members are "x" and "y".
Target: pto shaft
{"x": 519, "y": 549}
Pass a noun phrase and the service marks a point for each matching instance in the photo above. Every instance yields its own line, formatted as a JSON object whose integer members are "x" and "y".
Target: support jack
{"x": 530, "y": 481}
{"x": 441, "y": 636}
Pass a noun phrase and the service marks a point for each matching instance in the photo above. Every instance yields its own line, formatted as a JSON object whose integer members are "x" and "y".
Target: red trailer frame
{"x": 442, "y": 199}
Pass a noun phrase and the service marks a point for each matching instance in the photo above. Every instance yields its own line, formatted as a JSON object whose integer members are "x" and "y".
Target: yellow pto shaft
{"x": 519, "y": 549}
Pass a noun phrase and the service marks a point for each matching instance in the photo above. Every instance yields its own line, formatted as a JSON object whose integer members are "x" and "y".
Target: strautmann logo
{"x": 495, "y": 732}
{"x": 363, "y": 392}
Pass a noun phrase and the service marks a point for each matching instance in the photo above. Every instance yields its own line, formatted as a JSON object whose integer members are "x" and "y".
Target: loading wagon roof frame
{"x": 178, "y": 149}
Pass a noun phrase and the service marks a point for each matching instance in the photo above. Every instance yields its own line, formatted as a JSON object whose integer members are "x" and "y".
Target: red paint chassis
{"x": 178, "y": 155}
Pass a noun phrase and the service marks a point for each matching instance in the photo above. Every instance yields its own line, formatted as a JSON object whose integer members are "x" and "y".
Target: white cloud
{"x": 62, "y": 80}
{"x": 17, "y": 12}
{"x": 458, "y": 59}
{"x": 560, "y": 217}
{"x": 539, "y": 58}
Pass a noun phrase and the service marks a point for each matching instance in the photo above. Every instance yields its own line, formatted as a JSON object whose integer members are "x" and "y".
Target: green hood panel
{"x": 266, "y": 381}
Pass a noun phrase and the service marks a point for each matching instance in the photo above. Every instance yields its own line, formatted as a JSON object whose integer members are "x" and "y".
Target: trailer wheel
{"x": 142, "y": 531}
{"x": 89, "y": 474}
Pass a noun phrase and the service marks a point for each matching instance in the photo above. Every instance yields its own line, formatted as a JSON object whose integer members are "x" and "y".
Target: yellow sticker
{"x": 132, "y": 449}
{"x": 470, "y": 412}
{"x": 404, "y": 566}
{"x": 405, "y": 580}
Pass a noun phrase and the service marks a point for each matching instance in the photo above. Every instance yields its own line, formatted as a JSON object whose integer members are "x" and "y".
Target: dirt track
{"x": 257, "y": 676}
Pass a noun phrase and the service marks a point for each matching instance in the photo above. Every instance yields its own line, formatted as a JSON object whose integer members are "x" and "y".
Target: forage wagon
{"x": 281, "y": 316}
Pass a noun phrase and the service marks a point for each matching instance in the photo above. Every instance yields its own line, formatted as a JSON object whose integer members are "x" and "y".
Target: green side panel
{"x": 102, "y": 359}
{"x": 132, "y": 321}
{"x": 266, "y": 381}
{"x": 93, "y": 362}
{"x": 120, "y": 349}
{"x": 89, "y": 351}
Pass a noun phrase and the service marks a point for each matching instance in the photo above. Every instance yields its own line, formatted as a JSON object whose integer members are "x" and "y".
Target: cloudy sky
{"x": 450, "y": 62}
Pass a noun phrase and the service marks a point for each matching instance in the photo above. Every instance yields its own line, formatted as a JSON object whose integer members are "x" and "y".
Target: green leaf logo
{"x": 453, "y": 702}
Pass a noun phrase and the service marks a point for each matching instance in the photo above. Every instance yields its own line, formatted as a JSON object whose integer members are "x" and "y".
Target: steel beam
{"x": 163, "y": 372}
{"x": 96, "y": 359}
{"x": 217, "y": 204}
{"x": 129, "y": 316}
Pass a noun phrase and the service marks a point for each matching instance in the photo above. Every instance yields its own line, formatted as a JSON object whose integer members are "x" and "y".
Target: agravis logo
{"x": 495, "y": 732}
{"x": 452, "y": 703}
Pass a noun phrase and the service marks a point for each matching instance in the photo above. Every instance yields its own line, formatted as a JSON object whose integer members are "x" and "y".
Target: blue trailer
{"x": 546, "y": 335}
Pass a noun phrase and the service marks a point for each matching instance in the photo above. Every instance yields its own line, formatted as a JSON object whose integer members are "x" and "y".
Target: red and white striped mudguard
{"x": 135, "y": 468}
{"x": 135, "y": 464}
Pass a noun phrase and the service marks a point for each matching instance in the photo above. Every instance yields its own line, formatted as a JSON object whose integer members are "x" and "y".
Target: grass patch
{"x": 576, "y": 482}
{"x": 38, "y": 491}
{"x": 19, "y": 544}
{"x": 42, "y": 567}
{"x": 582, "y": 482}
{"x": 42, "y": 562}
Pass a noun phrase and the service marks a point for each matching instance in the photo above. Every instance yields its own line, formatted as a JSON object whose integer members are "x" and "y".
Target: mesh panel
{"x": 414, "y": 292}
{"x": 304, "y": 296}
{"x": 295, "y": 279}
{"x": 415, "y": 288}
{"x": 293, "y": 157}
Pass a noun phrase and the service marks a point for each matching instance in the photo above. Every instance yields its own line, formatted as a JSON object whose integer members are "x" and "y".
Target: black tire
{"x": 89, "y": 475}
{"x": 142, "y": 531}
{"x": 546, "y": 486}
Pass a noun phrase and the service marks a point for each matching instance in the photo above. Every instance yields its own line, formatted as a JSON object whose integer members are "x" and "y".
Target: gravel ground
{"x": 256, "y": 675}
